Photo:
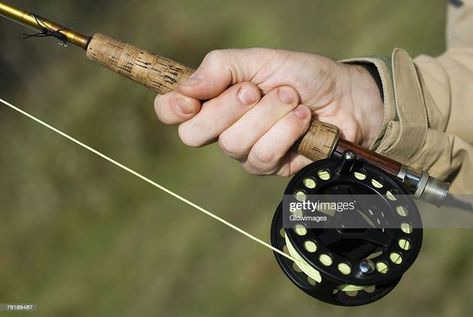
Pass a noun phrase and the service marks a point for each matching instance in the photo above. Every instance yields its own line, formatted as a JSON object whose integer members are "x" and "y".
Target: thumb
{"x": 222, "y": 68}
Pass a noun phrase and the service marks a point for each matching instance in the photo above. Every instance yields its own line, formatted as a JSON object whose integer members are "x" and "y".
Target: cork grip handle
{"x": 163, "y": 75}
{"x": 151, "y": 70}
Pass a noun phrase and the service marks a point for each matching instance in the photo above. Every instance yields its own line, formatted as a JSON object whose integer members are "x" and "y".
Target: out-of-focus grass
{"x": 82, "y": 238}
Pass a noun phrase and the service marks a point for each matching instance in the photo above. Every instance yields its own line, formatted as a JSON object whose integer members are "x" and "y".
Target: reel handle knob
{"x": 346, "y": 163}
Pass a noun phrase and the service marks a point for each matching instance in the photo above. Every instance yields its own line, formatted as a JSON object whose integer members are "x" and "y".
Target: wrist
{"x": 367, "y": 103}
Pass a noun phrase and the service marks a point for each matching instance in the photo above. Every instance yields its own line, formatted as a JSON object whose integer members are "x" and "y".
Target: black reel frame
{"x": 358, "y": 263}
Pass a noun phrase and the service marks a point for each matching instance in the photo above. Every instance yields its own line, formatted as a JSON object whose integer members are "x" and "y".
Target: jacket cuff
{"x": 382, "y": 65}
{"x": 404, "y": 127}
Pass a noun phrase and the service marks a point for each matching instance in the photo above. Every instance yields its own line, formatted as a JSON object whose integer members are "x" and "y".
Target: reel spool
{"x": 357, "y": 256}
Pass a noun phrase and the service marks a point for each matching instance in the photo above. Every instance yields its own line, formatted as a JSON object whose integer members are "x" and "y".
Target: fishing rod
{"x": 340, "y": 266}
{"x": 163, "y": 75}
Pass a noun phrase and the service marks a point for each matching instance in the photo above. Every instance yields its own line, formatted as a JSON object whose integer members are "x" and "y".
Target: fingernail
{"x": 287, "y": 95}
{"x": 301, "y": 112}
{"x": 248, "y": 95}
{"x": 193, "y": 80}
{"x": 184, "y": 106}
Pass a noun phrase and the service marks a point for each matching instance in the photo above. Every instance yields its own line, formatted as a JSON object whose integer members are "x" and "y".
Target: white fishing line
{"x": 144, "y": 178}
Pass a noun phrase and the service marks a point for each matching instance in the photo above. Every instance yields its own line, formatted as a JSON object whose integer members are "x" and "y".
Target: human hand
{"x": 258, "y": 102}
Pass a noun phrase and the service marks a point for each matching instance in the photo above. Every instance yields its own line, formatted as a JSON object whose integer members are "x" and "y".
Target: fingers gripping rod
{"x": 321, "y": 141}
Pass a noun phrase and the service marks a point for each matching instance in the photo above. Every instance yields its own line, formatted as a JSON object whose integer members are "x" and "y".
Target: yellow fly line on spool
{"x": 314, "y": 274}
{"x": 301, "y": 263}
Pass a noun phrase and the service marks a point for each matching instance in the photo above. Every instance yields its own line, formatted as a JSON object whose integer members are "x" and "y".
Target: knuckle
{"x": 249, "y": 168}
{"x": 265, "y": 159}
{"x": 214, "y": 56}
{"x": 188, "y": 137}
{"x": 157, "y": 100}
{"x": 230, "y": 146}
{"x": 160, "y": 106}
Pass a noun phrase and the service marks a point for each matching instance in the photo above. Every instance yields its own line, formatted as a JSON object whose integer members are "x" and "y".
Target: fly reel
{"x": 355, "y": 256}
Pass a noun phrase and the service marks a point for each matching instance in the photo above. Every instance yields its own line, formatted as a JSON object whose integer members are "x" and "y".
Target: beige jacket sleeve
{"x": 428, "y": 120}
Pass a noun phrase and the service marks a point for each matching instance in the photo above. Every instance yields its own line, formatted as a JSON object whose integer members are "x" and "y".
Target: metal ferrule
{"x": 424, "y": 187}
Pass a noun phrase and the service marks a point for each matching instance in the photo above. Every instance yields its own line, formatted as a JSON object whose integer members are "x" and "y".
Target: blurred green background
{"x": 79, "y": 237}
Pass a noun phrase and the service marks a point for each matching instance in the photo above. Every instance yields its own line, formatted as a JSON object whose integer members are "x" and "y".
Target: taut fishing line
{"x": 146, "y": 179}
